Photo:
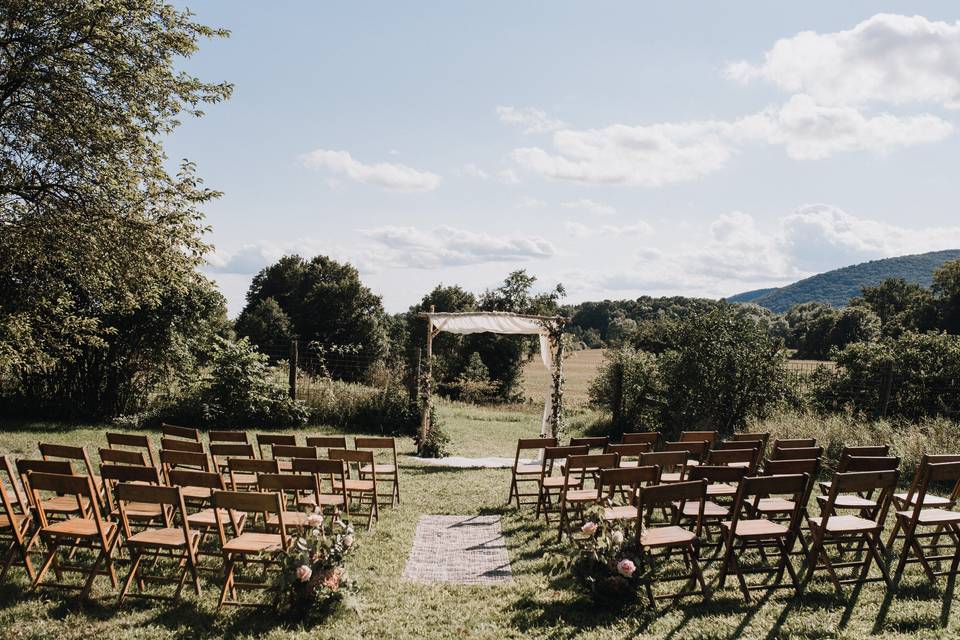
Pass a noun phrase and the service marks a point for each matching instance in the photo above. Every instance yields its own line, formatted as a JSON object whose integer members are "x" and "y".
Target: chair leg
{"x": 47, "y": 562}
{"x": 874, "y": 544}
{"x": 134, "y": 568}
{"x": 697, "y": 571}
{"x": 228, "y": 581}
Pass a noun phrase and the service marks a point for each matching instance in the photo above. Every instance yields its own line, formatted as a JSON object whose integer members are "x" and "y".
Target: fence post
{"x": 886, "y": 391}
{"x": 294, "y": 357}
{"x": 617, "y": 409}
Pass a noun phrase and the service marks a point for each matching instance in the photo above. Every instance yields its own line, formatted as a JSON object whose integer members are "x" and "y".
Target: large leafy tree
{"x": 97, "y": 236}
{"x": 326, "y": 303}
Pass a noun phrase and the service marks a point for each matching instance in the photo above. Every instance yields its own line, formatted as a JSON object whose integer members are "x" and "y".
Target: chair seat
{"x": 355, "y": 485}
{"x": 845, "y": 524}
{"x": 5, "y": 521}
{"x": 710, "y": 509}
{"x": 581, "y": 495}
{"x": 206, "y": 518}
{"x": 326, "y": 500}
{"x": 672, "y": 476}
{"x": 78, "y": 528}
{"x": 849, "y": 501}
{"x": 666, "y": 536}
{"x": 929, "y": 500}
{"x": 628, "y": 464}
{"x": 64, "y": 504}
{"x": 932, "y": 516}
{"x": 620, "y": 512}
{"x": 143, "y": 510}
{"x": 195, "y": 493}
{"x": 386, "y": 469}
{"x": 739, "y": 464}
{"x": 244, "y": 479}
{"x": 758, "y": 528}
{"x": 254, "y": 543}
{"x": 693, "y": 462}
{"x": 527, "y": 469}
{"x": 775, "y": 505}
{"x": 285, "y": 466}
{"x": 721, "y": 489}
{"x": 165, "y": 537}
{"x": 290, "y": 519}
{"x": 557, "y": 482}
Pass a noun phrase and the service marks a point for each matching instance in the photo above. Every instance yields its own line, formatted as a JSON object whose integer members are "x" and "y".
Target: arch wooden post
{"x": 427, "y": 381}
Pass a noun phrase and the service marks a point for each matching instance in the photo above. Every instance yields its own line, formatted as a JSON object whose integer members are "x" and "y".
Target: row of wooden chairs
{"x": 767, "y": 510}
{"x": 179, "y": 498}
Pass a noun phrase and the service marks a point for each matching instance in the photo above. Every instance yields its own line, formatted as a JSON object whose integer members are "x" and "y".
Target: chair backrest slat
{"x": 172, "y": 444}
{"x": 286, "y": 452}
{"x": 796, "y": 453}
{"x": 228, "y": 436}
{"x": 184, "y": 433}
{"x": 123, "y": 456}
{"x": 266, "y": 440}
{"x": 794, "y": 443}
{"x": 641, "y": 437}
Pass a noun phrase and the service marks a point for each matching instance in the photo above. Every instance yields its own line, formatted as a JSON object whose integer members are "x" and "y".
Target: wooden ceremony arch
{"x": 548, "y": 328}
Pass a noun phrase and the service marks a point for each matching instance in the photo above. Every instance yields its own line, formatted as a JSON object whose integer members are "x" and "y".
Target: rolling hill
{"x": 838, "y": 286}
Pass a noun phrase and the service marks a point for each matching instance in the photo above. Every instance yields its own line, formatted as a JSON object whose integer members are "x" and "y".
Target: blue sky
{"x": 619, "y": 148}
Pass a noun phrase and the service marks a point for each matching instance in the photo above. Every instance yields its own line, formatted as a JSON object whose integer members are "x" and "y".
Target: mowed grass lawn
{"x": 533, "y": 605}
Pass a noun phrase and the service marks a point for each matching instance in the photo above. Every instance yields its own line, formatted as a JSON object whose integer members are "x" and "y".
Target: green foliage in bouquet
{"x": 605, "y": 563}
{"x": 313, "y": 583}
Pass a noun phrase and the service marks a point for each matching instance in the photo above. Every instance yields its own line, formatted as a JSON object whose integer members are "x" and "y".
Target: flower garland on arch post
{"x": 554, "y": 327}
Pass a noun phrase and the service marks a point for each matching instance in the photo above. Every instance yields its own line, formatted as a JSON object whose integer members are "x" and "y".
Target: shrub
{"x": 628, "y": 386}
{"x": 348, "y": 405}
{"x": 237, "y": 390}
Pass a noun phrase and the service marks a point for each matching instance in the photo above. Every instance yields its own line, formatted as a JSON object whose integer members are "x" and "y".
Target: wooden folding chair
{"x": 908, "y": 500}
{"x": 332, "y": 473}
{"x": 722, "y": 483}
{"x": 239, "y": 546}
{"x": 794, "y": 443}
{"x": 54, "y": 451}
{"x": 913, "y": 520}
{"x": 651, "y": 438}
{"x": 203, "y": 519}
{"x": 780, "y": 508}
{"x": 236, "y": 437}
{"x": 672, "y": 537}
{"x": 327, "y": 442}
{"x": 285, "y": 453}
{"x": 742, "y": 457}
{"x": 292, "y": 487}
{"x": 58, "y": 506}
{"x": 243, "y": 472}
{"x": 222, "y": 452}
{"x": 709, "y": 437}
{"x": 527, "y": 471}
{"x": 743, "y": 531}
{"x": 141, "y": 514}
{"x": 696, "y": 450}
{"x": 189, "y": 446}
{"x": 629, "y": 454}
{"x": 592, "y": 442}
{"x": 763, "y": 437}
{"x": 182, "y": 433}
{"x": 386, "y": 471}
{"x": 15, "y": 522}
{"x": 265, "y": 442}
{"x": 862, "y": 500}
{"x": 123, "y": 456}
{"x": 190, "y": 461}
{"x": 92, "y": 532}
{"x": 673, "y": 464}
{"x": 550, "y": 484}
{"x": 867, "y": 451}
{"x": 179, "y": 542}
{"x": 795, "y": 453}
{"x": 574, "y": 494}
{"x": 363, "y": 487}
{"x": 132, "y": 441}
{"x": 618, "y": 490}
{"x": 864, "y": 528}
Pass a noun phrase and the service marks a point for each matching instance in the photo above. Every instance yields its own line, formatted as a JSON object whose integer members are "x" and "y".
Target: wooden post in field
{"x": 294, "y": 358}
{"x": 427, "y": 381}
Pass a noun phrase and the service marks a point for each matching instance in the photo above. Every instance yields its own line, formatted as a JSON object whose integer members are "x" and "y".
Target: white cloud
{"x": 388, "y": 175}
{"x": 666, "y": 153}
{"x": 250, "y": 258}
{"x": 580, "y": 230}
{"x": 471, "y": 170}
{"x": 810, "y": 131}
{"x": 446, "y": 246}
{"x": 508, "y": 176}
{"x": 886, "y": 58}
{"x": 592, "y": 206}
{"x": 527, "y": 202}
{"x": 531, "y": 119}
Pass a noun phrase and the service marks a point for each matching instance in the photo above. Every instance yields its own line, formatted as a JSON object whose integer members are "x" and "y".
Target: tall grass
{"x": 909, "y": 441}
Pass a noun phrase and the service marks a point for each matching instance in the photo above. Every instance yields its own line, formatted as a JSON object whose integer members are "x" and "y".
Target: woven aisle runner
{"x": 458, "y": 549}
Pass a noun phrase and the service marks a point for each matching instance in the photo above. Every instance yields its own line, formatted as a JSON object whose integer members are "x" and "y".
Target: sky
{"x": 619, "y": 148}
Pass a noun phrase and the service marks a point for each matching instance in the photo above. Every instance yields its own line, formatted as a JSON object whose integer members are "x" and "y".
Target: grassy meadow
{"x": 534, "y": 605}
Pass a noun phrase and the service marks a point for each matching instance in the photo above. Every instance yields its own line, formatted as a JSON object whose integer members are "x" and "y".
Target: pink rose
{"x": 348, "y": 540}
{"x": 304, "y": 573}
{"x": 589, "y": 528}
{"x": 626, "y": 567}
{"x": 314, "y": 520}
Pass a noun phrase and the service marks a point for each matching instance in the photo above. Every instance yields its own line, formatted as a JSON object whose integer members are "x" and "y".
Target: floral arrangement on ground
{"x": 313, "y": 583}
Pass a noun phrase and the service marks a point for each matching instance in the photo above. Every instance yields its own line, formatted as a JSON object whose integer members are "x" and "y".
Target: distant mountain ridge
{"x": 837, "y": 287}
